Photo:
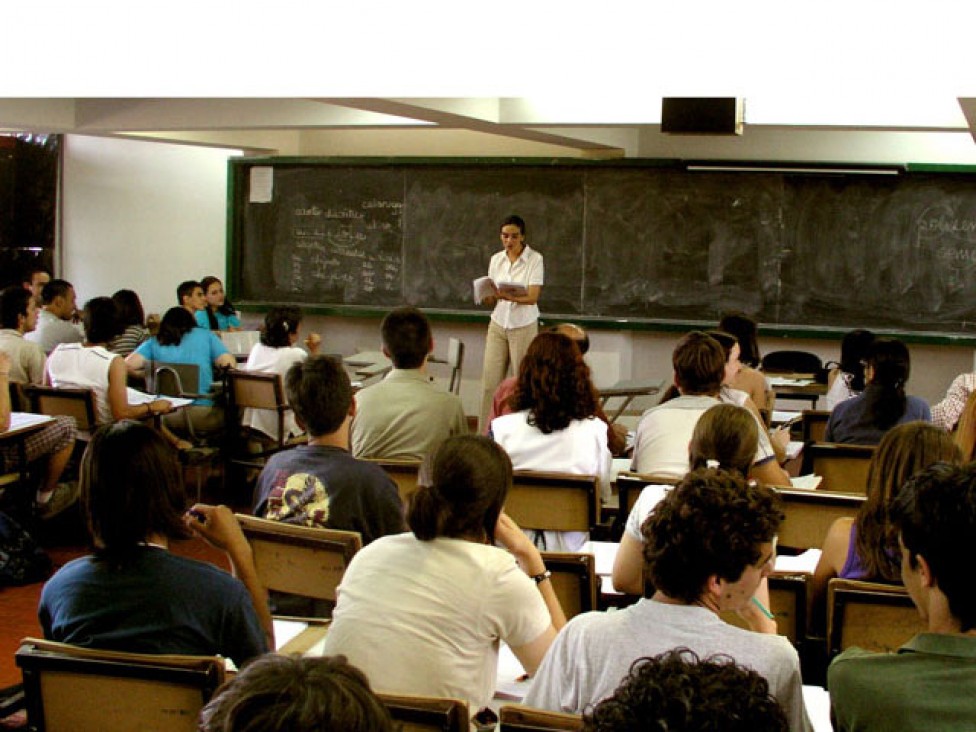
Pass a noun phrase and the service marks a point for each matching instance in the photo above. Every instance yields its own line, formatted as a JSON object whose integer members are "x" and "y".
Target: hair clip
{"x": 710, "y": 463}
{"x": 285, "y": 324}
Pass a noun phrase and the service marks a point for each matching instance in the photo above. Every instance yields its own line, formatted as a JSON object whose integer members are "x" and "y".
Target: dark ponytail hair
{"x": 885, "y": 395}
{"x": 226, "y": 309}
{"x": 279, "y": 324}
{"x": 853, "y": 349}
{"x": 463, "y": 488}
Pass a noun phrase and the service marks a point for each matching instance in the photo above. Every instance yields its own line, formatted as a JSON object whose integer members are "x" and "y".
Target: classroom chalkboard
{"x": 648, "y": 242}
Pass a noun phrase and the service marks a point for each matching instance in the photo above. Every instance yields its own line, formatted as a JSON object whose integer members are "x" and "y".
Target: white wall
{"x": 148, "y": 215}
{"x": 143, "y": 216}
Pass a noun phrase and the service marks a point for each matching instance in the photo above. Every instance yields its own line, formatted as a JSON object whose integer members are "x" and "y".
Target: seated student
{"x": 276, "y": 351}
{"x": 90, "y": 365}
{"x": 862, "y": 548}
{"x": 864, "y": 419}
{"x": 423, "y": 612}
{"x": 405, "y": 416}
{"x": 180, "y": 341}
{"x": 930, "y": 684}
{"x": 321, "y": 484}
{"x": 661, "y": 443}
{"x": 34, "y": 279}
{"x": 54, "y": 442}
{"x": 555, "y": 427}
{"x": 132, "y": 594}
{"x": 502, "y": 401}
{"x": 132, "y": 320}
{"x": 708, "y": 545}
{"x": 946, "y": 413}
{"x": 190, "y": 297}
{"x": 18, "y": 316}
{"x": 847, "y": 380}
{"x": 678, "y": 692}
{"x": 218, "y": 312}
{"x": 749, "y": 379}
{"x": 299, "y": 695}
{"x": 56, "y": 322}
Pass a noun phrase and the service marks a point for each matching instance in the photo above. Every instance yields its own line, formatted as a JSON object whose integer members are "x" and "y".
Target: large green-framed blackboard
{"x": 641, "y": 241}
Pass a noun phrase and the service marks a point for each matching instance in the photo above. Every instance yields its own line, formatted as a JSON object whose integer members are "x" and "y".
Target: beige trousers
{"x": 504, "y": 350}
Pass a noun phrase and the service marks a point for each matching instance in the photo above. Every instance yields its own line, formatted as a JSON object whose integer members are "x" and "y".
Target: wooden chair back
{"x": 55, "y": 402}
{"x": 455, "y": 359}
{"x": 405, "y": 473}
{"x": 553, "y": 501}
{"x": 174, "y": 379}
{"x": 299, "y": 560}
{"x": 787, "y": 602}
{"x": 870, "y": 615}
{"x": 574, "y": 581}
{"x": 427, "y": 713}
{"x": 519, "y": 718}
{"x": 810, "y": 514}
{"x": 844, "y": 468}
{"x": 257, "y": 390}
{"x": 73, "y": 689}
{"x": 813, "y": 424}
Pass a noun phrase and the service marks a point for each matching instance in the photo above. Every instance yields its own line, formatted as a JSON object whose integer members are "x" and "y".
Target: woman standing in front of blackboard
{"x": 515, "y": 319}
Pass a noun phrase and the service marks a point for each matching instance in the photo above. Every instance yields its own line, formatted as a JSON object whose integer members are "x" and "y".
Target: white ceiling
{"x": 890, "y": 130}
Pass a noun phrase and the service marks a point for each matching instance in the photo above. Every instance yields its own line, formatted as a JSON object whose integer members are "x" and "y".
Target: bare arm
{"x": 4, "y": 392}
{"x": 220, "y": 529}
{"x": 118, "y": 400}
{"x": 628, "y": 566}
{"x": 529, "y": 298}
{"x": 832, "y": 559}
{"x": 135, "y": 364}
{"x": 770, "y": 473}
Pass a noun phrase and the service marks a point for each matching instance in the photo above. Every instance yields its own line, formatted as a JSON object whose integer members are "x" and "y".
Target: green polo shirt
{"x": 929, "y": 684}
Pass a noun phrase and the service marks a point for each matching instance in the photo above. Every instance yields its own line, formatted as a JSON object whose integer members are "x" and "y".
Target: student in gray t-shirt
{"x": 708, "y": 545}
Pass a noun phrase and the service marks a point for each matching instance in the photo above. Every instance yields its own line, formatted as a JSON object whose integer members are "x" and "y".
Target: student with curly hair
{"x": 864, "y": 547}
{"x": 707, "y": 547}
{"x": 554, "y": 426}
{"x": 677, "y": 691}
{"x": 864, "y": 419}
{"x": 280, "y": 693}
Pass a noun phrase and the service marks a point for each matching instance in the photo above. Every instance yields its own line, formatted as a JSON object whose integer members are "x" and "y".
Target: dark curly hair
{"x": 678, "y": 692}
{"x": 288, "y": 693}
{"x": 713, "y": 522}
{"x": 554, "y": 384}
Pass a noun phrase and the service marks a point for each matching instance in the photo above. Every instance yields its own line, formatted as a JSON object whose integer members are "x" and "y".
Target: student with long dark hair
{"x": 864, "y": 419}
{"x": 219, "y": 313}
{"x": 749, "y": 379}
{"x": 423, "y": 612}
{"x": 846, "y": 381}
{"x": 132, "y": 594}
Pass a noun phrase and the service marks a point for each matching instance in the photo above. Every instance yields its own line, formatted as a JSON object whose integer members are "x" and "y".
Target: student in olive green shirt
{"x": 930, "y": 683}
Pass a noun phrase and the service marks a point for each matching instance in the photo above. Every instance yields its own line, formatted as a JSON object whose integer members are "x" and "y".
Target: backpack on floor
{"x": 22, "y": 561}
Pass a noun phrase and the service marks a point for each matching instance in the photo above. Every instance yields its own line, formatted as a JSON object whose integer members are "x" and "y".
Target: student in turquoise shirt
{"x": 219, "y": 314}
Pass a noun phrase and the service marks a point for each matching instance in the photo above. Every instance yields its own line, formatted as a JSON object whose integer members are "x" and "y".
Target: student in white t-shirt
{"x": 423, "y": 612}
{"x": 275, "y": 353}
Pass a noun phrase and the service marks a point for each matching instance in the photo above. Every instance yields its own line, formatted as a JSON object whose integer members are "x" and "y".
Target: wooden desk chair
{"x": 844, "y": 468}
{"x": 787, "y": 601}
{"x": 299, "y": 560}
{"x": 257, "y": 390}
{"x": 73, "y": 689}
{"x": 810, "y": 514}
{"x": 813, "y": 425}
{"x": 519, "y": 718}
{"x": 455, "y": 359}
{"x": 56, "y": 402}
{"x": 870, "y": 615}
{"x": 574, "y": 581}
{"x": 553, "y": 501}
{"x": 405, "y": 473}
{"x": 629, "y": 487}
{"x": 427, "y": 713}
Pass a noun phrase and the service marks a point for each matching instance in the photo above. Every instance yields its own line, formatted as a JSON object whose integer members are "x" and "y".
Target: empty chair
{"x": 844, "y": 468}
{"x": 553, "y": 501}
{"x": 72, "y": 689}
{"x": 810, "y": 514}
{"x": 793, "y": 362}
